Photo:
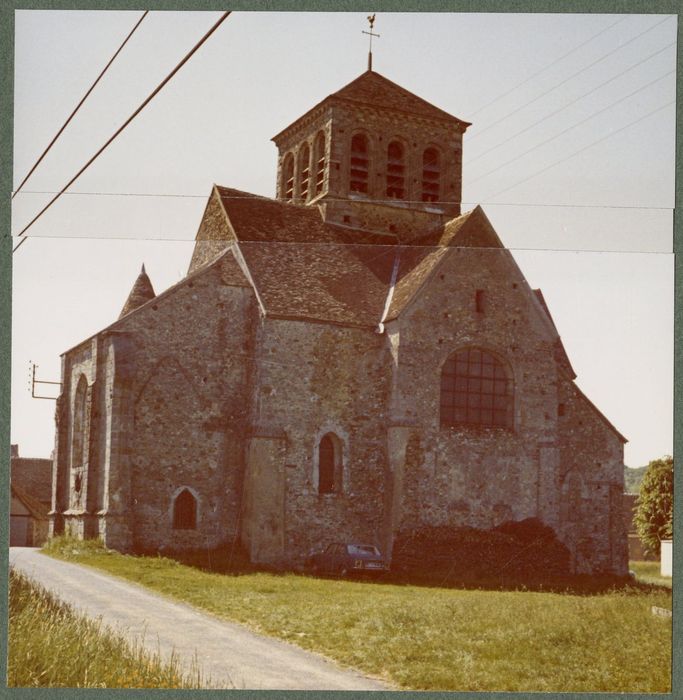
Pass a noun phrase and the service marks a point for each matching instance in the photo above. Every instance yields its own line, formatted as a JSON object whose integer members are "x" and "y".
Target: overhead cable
{"x": 567, "y": 104}
{"x": 569, "y": 128}
{"x": 566, "y": 80}
{"x": 585, "y": 148}
{"x": 545, "y": 68}
{"x": 78, "y": 106}
{"x": 187, "y": 57}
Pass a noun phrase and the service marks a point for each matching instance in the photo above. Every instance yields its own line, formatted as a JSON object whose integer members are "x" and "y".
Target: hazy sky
{"x": 571, "y": 153}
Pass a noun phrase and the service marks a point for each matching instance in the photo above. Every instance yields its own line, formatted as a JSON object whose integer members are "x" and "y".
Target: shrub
{"x": 654, "y": 507}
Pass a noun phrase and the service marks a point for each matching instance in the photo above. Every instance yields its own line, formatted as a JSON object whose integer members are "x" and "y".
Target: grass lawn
{"x": 649, "y": 572}
{"x": 51, "y": 646}
{"x": 432, "y": 638}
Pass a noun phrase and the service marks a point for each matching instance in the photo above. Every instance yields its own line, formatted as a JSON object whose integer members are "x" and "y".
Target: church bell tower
{"x": 376, "y": 157}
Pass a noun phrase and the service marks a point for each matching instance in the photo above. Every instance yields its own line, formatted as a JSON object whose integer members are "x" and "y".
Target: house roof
{"x": 37, "y": 509}
{"x": 33, "y": 475}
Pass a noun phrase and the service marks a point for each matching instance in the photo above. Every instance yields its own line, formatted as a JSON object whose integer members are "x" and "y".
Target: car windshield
{"x": 363, "y": 549}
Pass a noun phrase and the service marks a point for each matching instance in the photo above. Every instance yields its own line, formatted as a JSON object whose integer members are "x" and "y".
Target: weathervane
{"x": 371, "y": 19}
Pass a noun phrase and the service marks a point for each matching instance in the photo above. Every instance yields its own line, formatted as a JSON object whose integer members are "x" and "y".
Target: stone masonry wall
{"x": 316, "y": 379}
{"x": 592, "y": 484}
{"x": 470, "y": 475}
{"x": 192, "y": 352}
{"x": 169, "y": 415}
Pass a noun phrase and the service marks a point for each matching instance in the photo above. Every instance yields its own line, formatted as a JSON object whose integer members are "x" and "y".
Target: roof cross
{"x": 371, "y": 20}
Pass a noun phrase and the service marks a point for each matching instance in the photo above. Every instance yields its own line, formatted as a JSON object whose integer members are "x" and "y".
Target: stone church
{"x": 353, "y": 359}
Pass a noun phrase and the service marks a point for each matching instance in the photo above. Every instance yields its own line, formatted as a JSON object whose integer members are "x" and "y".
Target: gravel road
{"x": 229, "y": 655}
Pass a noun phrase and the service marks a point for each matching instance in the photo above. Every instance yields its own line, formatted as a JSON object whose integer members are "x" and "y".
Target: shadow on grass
{"x": 233, "y": 561}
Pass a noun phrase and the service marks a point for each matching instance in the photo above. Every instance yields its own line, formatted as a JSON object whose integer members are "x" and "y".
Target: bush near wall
{"x": 520, "y": 551}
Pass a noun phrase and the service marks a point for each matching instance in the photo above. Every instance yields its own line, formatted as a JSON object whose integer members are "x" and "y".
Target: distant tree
{"x": 654, "y": 507}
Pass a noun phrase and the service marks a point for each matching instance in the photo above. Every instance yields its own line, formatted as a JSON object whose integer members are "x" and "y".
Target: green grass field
{"x": 432, "y": 638}
{"x": 50, "y": 646}
{"x": 649, "y": 572}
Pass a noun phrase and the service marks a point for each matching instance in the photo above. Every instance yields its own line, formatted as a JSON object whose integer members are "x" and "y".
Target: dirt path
{"x": 228, "y": 654}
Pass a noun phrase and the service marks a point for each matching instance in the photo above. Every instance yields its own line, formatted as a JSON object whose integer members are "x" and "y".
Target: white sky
{"x": 593, "y": 230}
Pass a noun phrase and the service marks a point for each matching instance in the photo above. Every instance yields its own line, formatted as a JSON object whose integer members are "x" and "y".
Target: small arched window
{"x": 475, "y": 390}
{"x": 396, "y": 171}
{"x": 185, "y": 511}
{"x": 319, "y": 162}
{"x": 79, "y": 443}
{"x": 288, "y": 176}
{"x": 304, "y": 171}
{"x": 329, "y": 464}
{"x": 431, "y": 175}
{"x": 360, "y": 164}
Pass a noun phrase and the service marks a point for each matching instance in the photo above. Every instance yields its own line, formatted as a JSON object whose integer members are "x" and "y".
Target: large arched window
{"x": 360, "y": 164}
{"x": 319, "y": 162}
{"x": 475, "y": 390}
{"x": 288, "y": 176}
{"x": 329, "y": 464}
{"x": 304, "y": 171}
{"x": 185, "y": 511}
{"x": 431, "y": 175}
{"x": 79, "y": 443}
{"x": 396, "y": 171}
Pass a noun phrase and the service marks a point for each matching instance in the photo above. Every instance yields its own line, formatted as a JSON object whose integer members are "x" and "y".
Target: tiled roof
{"x": 372, "y": 88}
{"x": 330, "y": 282}
{"x": 33, "y": 475}
{"x": 39, "y": 510}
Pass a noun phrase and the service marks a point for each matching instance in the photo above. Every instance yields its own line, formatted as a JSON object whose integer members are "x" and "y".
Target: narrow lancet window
{"x": 319, "y": 162}
{"x": 288, "y": 176}
{"x": 360, "y": 164}
{"x": 396, "y": 176}
{"x": 431, "y": 175}
{"x": 185, "y": 511}
{"x": 304, "y": 171}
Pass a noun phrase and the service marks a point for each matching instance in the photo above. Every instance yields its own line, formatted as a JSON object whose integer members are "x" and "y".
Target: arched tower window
{"x": 288, "y": 176}
{"x": 319, "y": 162}
{"x": 185, "y": 511}
{"x": 329, "y": 464}
{"x": 360, "y": 164}
{"x": 79, "y": 444}
{"x": 396, "y": 171}
{"x": 475, "y": 390}
{"x": 304, "y": 171}
{"x": 431, "y": 175}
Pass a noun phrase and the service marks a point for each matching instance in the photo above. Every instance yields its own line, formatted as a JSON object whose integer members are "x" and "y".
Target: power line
{"x": 187, "y": 57}
{"x": 568, "y": 104}
{"x": 78, "y": 106}
{"x": 548, "y": 67}
{"x": 338, "y": 199}
{"x": 566, "y": 80}
{"x": 590, "y": 145}
{"x": 573, "y": 126}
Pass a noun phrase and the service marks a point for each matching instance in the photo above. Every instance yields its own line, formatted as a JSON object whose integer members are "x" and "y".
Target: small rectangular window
{"x": 560, "y": 409}
{"x": 479, "y": 301}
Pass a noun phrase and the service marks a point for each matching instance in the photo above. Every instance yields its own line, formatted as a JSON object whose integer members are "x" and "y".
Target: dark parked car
{"x": 344, "y": 559}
